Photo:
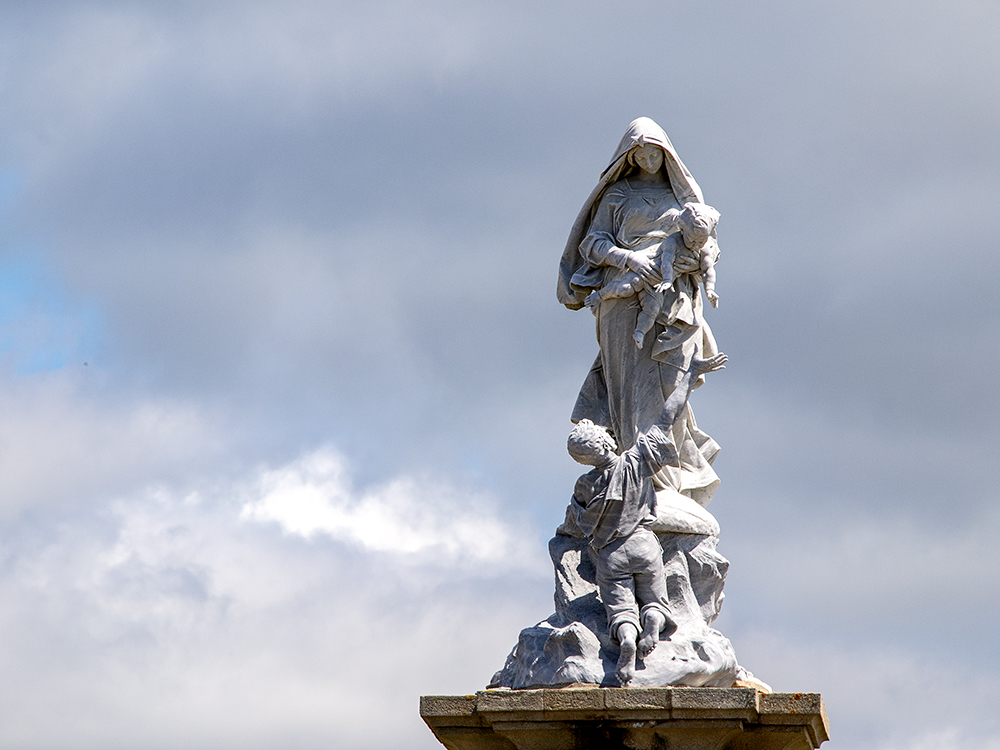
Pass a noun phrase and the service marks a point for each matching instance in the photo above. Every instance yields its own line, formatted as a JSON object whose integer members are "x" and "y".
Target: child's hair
{"x": 586, "y": 441}
{"x": 699, "y": 216}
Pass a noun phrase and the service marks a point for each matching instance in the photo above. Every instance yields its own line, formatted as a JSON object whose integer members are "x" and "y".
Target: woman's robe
{"x": 627, "y": 386}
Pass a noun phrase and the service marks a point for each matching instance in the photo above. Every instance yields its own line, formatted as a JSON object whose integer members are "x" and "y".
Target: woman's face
{"x": 649, "y": 158}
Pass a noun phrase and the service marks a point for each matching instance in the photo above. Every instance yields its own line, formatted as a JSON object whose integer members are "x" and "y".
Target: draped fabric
{"x": 640, "y": 131}
{"x": 628, "y": 385}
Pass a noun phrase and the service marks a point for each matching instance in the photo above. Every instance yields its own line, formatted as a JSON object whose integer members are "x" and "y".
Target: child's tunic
{"x": 612, "y": 502}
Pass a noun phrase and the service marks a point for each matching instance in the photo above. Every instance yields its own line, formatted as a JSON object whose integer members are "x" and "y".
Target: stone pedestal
{"x": 632, "y": 718}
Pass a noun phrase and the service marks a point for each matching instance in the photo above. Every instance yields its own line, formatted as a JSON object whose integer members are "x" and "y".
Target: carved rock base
{"x": 574, "y": 645}
{"x": 632, "y": 718}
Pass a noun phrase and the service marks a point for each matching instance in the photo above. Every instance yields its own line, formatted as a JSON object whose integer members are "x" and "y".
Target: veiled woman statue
{"x": 629, "y": 214}
{"x": 638, "y": 578}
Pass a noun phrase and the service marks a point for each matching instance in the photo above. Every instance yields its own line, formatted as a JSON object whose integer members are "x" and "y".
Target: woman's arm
{"x": 687, "y": 260}
{"x": 598, "y": 247}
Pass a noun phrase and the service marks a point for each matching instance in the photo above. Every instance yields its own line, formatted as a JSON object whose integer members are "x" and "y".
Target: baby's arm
{"x": 708, "y": 275}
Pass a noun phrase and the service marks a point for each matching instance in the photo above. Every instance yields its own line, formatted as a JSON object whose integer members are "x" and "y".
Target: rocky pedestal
{"x": 573, "y": 644}
{"x": 633, "y": 718}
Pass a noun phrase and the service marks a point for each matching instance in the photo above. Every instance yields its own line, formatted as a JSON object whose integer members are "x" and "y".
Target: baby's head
{"x": 697, "y": 222}
{"x": 591, "y": 444}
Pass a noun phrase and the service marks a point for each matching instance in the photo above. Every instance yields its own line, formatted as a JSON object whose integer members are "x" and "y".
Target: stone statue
{"x": 696, "y": 224}
{"x": 638, "y": 578}
{"x": 629, "y": 657}
{"x": 614, "y": 507}
{"x": 629, "y": 217}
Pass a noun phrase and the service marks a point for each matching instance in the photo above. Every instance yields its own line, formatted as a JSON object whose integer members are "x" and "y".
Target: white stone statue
{"x": 638, "y": 578}
{"x": 695, "y": 223}
{"x": 633, "y": 216}
{"x": 614, "y": 506}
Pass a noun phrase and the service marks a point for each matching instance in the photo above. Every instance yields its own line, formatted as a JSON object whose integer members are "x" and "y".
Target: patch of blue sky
{"x": 9, "y": 184}
{"x": 41, "y": 329}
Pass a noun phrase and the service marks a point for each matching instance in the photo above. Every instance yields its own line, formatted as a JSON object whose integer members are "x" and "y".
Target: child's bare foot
{"x": 639, "y": 337}
{"x": 652, "y": 624}
{"x": 625, "y": 670}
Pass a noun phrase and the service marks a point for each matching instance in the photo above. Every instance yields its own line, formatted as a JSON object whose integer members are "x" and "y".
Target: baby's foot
{"x": 639, "y": 337}
{"x": 626, "y": 663}
{"x": 592, "y": 299}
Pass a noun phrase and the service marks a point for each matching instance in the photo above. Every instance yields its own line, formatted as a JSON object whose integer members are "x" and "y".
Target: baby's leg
{"x": 651, "y": 302}
{"x": 625, "y": 286}
{"x": 643, "y": 323}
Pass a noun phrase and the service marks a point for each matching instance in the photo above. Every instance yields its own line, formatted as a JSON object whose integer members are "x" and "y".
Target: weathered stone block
{"x": 634, "y": 718}
{"x": 638, "y": 698}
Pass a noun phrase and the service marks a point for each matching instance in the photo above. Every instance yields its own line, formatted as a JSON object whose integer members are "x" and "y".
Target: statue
{"x": 614, "y": 507}
{"x": 630, "y": 215}
{"x": 629, "y": 657}
{"x": 638, "y": 578}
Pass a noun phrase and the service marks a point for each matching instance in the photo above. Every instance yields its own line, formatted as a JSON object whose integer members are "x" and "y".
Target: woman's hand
{"x": 645, "y": 267}
{"x": 687, "y": 261}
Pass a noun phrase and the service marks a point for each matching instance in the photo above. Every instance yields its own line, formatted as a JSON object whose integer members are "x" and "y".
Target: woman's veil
{"x": 640, "y": 131}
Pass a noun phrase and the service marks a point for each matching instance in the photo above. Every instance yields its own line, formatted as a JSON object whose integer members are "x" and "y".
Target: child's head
{"x": 697, "y": 222}
{"x": 591, "y": 444}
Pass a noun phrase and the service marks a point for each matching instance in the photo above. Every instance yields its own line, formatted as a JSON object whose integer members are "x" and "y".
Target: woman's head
{"x": 646, "y": 156}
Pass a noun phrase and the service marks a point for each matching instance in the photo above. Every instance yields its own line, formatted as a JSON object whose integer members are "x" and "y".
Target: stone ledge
{"x": 639, "y": 718}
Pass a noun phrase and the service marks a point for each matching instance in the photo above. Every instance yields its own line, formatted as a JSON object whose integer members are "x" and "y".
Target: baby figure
{"x": 697, "y": 222}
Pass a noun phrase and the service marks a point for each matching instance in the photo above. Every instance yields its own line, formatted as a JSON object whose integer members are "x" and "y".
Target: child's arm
{"x": 678, "y": 398}
{"x": 655, "y": 444}
{"x": 708, "y": 275}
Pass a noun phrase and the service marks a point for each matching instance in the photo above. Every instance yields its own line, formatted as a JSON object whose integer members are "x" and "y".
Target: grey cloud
{"x": 321, "y": 222}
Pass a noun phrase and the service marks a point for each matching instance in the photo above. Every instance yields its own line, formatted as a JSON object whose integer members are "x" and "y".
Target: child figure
{"x": 613, "y": 506}
{"x": 697, "y": 222}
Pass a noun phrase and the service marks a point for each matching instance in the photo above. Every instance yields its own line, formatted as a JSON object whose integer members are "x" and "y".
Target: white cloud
{"x": 314, "y": 495}
{"x": 172, "y": 618}
{"x": 63, "y": 441}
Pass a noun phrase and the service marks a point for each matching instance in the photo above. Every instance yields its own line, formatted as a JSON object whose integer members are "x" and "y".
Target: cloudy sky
{"x": 284, "y": 386}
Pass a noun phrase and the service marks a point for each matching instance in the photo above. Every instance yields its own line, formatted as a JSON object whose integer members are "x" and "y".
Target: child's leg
{"x": 617, "y": 588}
{"x": 651, "y": 303}
{"x": 594, "y": 298}
{"x": 653, "y": 623}
{"x": 643, "y": 325}
{"x": 627, "y": 635}
{"x": 646, "y": 557}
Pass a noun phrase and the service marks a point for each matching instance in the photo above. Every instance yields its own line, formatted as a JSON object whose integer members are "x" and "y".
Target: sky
{"x": 284, "y": 385}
